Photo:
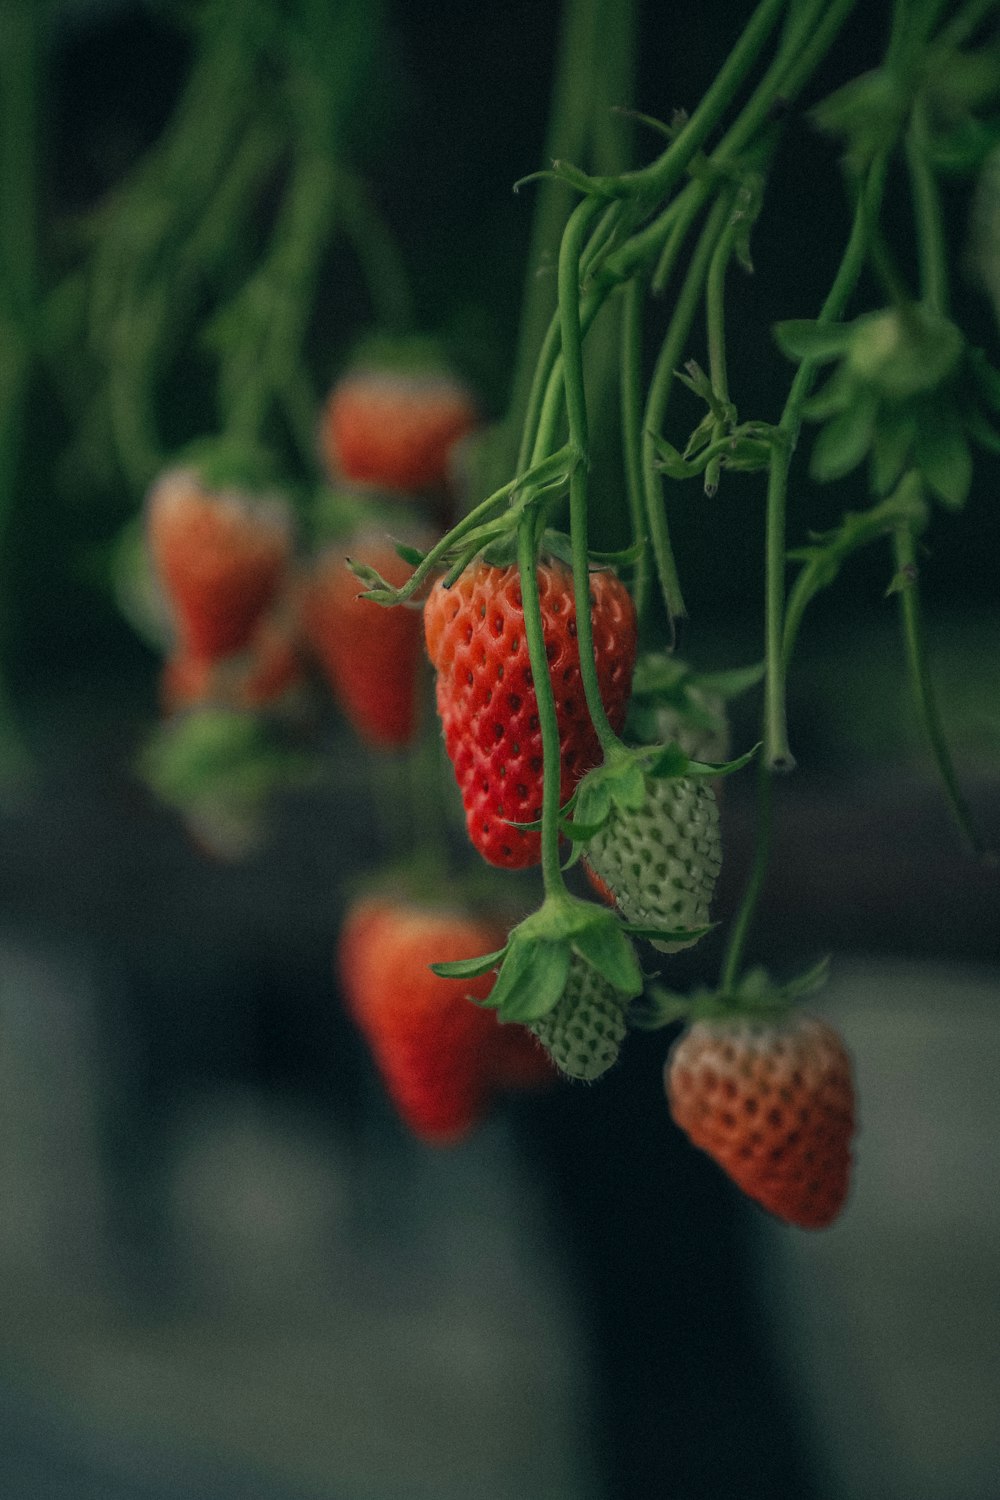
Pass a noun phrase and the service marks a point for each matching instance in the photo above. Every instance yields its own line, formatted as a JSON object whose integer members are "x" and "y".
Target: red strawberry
{"x": 268, "y": 674}
{"x": 220, "y": 556}
{"x": 440, "y": 1055}
{"x": 486, "y": 697}
{"x": 394, "y": 430}
{"x": 370, "y": 654}
{"x": 772, "y": 1101}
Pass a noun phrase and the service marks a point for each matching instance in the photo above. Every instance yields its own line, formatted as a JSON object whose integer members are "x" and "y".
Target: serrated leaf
{"x": 606, "y": 948}
{"x": 469, "y": 968}
{"x": 531, "y": 980}
{"x": 805, "y": 338}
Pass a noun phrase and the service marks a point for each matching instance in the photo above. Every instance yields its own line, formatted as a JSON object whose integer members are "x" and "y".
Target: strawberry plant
{"x": 326, "y": 502}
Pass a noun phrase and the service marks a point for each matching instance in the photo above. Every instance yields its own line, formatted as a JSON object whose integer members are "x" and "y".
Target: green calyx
{"x": 671, "y": 702}
{"x": 543, "y": 950}
{"x": 906, "y": 392}
{"x": 754, "y": 996}
{"x": 620, "y": 783}
{"x": 224, "y": 463}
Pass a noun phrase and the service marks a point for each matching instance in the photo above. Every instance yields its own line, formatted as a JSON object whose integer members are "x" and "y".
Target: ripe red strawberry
{"x": 394, "y": 430}
{"x": 440, "y": 1055}
{"x": 220, "y": 556}
{"x": 370, "y": 654}
{"x": 486, "y": 697}
{"x": 772, "y": 1101}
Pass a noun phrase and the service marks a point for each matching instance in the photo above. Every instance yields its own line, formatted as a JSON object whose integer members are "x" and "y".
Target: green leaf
{"x": 844, "y": 441}
{"x": 671, "y": 462}
{"x": 579, "y": 832}
{"x": 724, "y": 768}
{"x": 593, "y": 800}
{"x": 943, "y": 456}
{"x": 658, "y": 1008}
{"x": 628, "y": 788}
{"x": 671, "y": 761}
{"x": 805, "y": 338}
{"x": 606, "y": 948}
{"x": 893, "y": 439}
{"x": 469, "y": 968}
{"x": 668, "y": 934}
{"x": 532, "y": 978}
{"x": 411, "y": 555}
{"x": 733, "y": 683}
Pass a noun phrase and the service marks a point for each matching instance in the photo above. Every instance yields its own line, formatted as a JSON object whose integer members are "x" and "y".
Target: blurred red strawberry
{"x": 220, "y": 557}
{"x": 394, "y": 429}
{"x": 371, "y": 654}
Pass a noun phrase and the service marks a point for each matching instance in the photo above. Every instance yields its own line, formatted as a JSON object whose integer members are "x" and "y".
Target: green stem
{"x": 929, "y": 220}
{"x": 779, "y": 631}
{"x": 776, "y": 751}
{"x": 377, "y": 254}
{"x": 573, "y": 241}
{"x": 634, "y": 302}
{"x": 566, "y": 136}
{"x": 656, "y": 404}
{"x": 922, "y": 687}
{"x": 743, "y": 920}
{"x": 552, "y": 876}
{"x": 657, "y": 179}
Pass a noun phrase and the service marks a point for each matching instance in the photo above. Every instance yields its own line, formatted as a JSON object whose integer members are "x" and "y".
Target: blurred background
{"x": 225, "y": 1268}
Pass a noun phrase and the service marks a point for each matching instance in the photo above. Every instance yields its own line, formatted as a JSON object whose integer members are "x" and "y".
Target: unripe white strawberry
{"x": 662, "y": 860}
{"x": 584, "y": 1031}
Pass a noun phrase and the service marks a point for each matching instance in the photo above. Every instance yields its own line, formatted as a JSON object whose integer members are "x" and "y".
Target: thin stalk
{"x": 929, "y": 220}
{"x": 566, "y": 136}
{"x": 634, "y": 302}
{"x": 552, "y": 876}
{"x": 573, "y": 241}
{"x": 656, "y": 403}
{"x": 778, "y": 643}
{"x": 922, "y": 687}
{"x": 764, "y": 830}
{"x": 776, "y": 750}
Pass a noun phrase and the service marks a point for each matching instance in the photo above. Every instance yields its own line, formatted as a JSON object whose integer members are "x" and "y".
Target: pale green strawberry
{"x": 584, "y": 1030}
{"x": 662, "y": 859}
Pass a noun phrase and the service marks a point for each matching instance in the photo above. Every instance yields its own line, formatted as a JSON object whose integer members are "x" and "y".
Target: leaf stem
{"x": 552, "y": 876}
{"x": 764, "y": 827}
{"x": 634, "y": 299}
{"x": 929, "y": 221}
{"x": 570, "y": 251}
{"x": 922, "y": 687}
{"x": 656, "y": 403}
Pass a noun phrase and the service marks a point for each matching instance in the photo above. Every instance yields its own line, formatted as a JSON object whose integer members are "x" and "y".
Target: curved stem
{"x": 929, "y": 221}
{"x": 552, "y": 876}
{"x": 922, "y": 686}
{"x": 576, "y": 409}
{"x": 656, "y": 403}
{"x": 743, "y": 920}
{"x": 634, "y": 303}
